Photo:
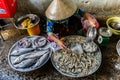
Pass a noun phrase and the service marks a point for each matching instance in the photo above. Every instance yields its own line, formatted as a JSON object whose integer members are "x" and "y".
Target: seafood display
{"x": 29, "y": 53}
{"x": 39, "y": 42}
{"x": 73, "y": 64}
{"x": 24, "y": 43}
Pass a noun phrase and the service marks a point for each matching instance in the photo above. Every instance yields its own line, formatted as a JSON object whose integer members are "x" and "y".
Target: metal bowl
{"x": 118, "y": 47}
{"x": 11, "y": 57}
{"x": 111, "y": 20}
{"x": 105, "y": 32}
{"x": 69, "y": 41}
{"x": 34, "y": 18}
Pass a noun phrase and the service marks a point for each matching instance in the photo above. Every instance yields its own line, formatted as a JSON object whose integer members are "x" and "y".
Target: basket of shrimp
{"x": 76, "y": 63}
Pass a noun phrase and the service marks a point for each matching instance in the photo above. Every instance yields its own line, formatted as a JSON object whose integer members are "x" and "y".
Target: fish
{"x": 26, "y": 63}
{"x": 41, "y": 60}
{"x": 39, "y": 42}
{"x": 21, "y": 51}
{"x": 30, "y": 55}
{"x": 24, "y": 43}
{"x": 19, "y": 59}
{"x": 38, "y": 54}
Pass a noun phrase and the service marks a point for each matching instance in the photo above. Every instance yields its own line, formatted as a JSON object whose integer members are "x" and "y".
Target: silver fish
{"x": 39, "y": 42}
{"x": 25, "y": 64}
{"x": 19, "y": 59}
{"x": 21, "y": 51}
{"x": 41, "y": 60}
{"x": 38, "y": 54}
{"x": 24, "y": 43}
{"x": 30, "y": 55}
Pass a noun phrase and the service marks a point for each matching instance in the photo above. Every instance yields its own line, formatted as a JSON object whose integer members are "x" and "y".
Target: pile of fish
{"x": 33, "y": 42}
{"x": 74, "y": 64}
{"x": 29, "y": 53}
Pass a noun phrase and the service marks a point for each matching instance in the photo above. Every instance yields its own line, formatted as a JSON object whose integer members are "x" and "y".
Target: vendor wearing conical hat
{"x": 59, "y": 11}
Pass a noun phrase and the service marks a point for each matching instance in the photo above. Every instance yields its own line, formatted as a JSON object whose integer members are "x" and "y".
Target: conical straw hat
{"x": 60, "y": 9}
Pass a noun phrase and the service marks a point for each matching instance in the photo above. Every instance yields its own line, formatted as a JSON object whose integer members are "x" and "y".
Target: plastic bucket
{"x": 32, "y": 30}
{"x": 110, "y": 20}
{"x": 35, "y": 30}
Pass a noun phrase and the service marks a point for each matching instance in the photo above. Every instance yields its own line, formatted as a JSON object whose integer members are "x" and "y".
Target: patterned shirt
{"x": 50, "y": 23}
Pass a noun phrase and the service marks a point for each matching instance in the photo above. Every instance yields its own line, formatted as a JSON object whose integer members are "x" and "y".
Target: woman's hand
{"x": 58, "y": 41}
{"x": 61, "y": 44}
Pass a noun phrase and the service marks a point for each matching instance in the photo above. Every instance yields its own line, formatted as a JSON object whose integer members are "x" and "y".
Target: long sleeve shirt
{"x": 50, "y": 23}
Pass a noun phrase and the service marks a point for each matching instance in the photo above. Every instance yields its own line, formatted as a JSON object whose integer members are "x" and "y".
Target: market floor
{"x": 109, "y": 69}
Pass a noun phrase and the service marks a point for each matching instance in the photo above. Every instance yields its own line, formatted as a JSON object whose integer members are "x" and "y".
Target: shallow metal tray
{"x": 15, "y": 46}
{"x": 76, "y": 38}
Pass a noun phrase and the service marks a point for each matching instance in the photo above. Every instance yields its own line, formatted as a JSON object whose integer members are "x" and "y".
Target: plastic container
{"x": 34, "y": 29}
{"x": 2, "y": 46}
{"x": 111, "y": 20}
{"x": 104, "y": 31}
{"x": 57, "y": 66}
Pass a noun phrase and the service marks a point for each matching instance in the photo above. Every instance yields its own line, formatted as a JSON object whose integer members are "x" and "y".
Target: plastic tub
{"x": 34, "y": 29}
{"x": 110, "y": 20}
